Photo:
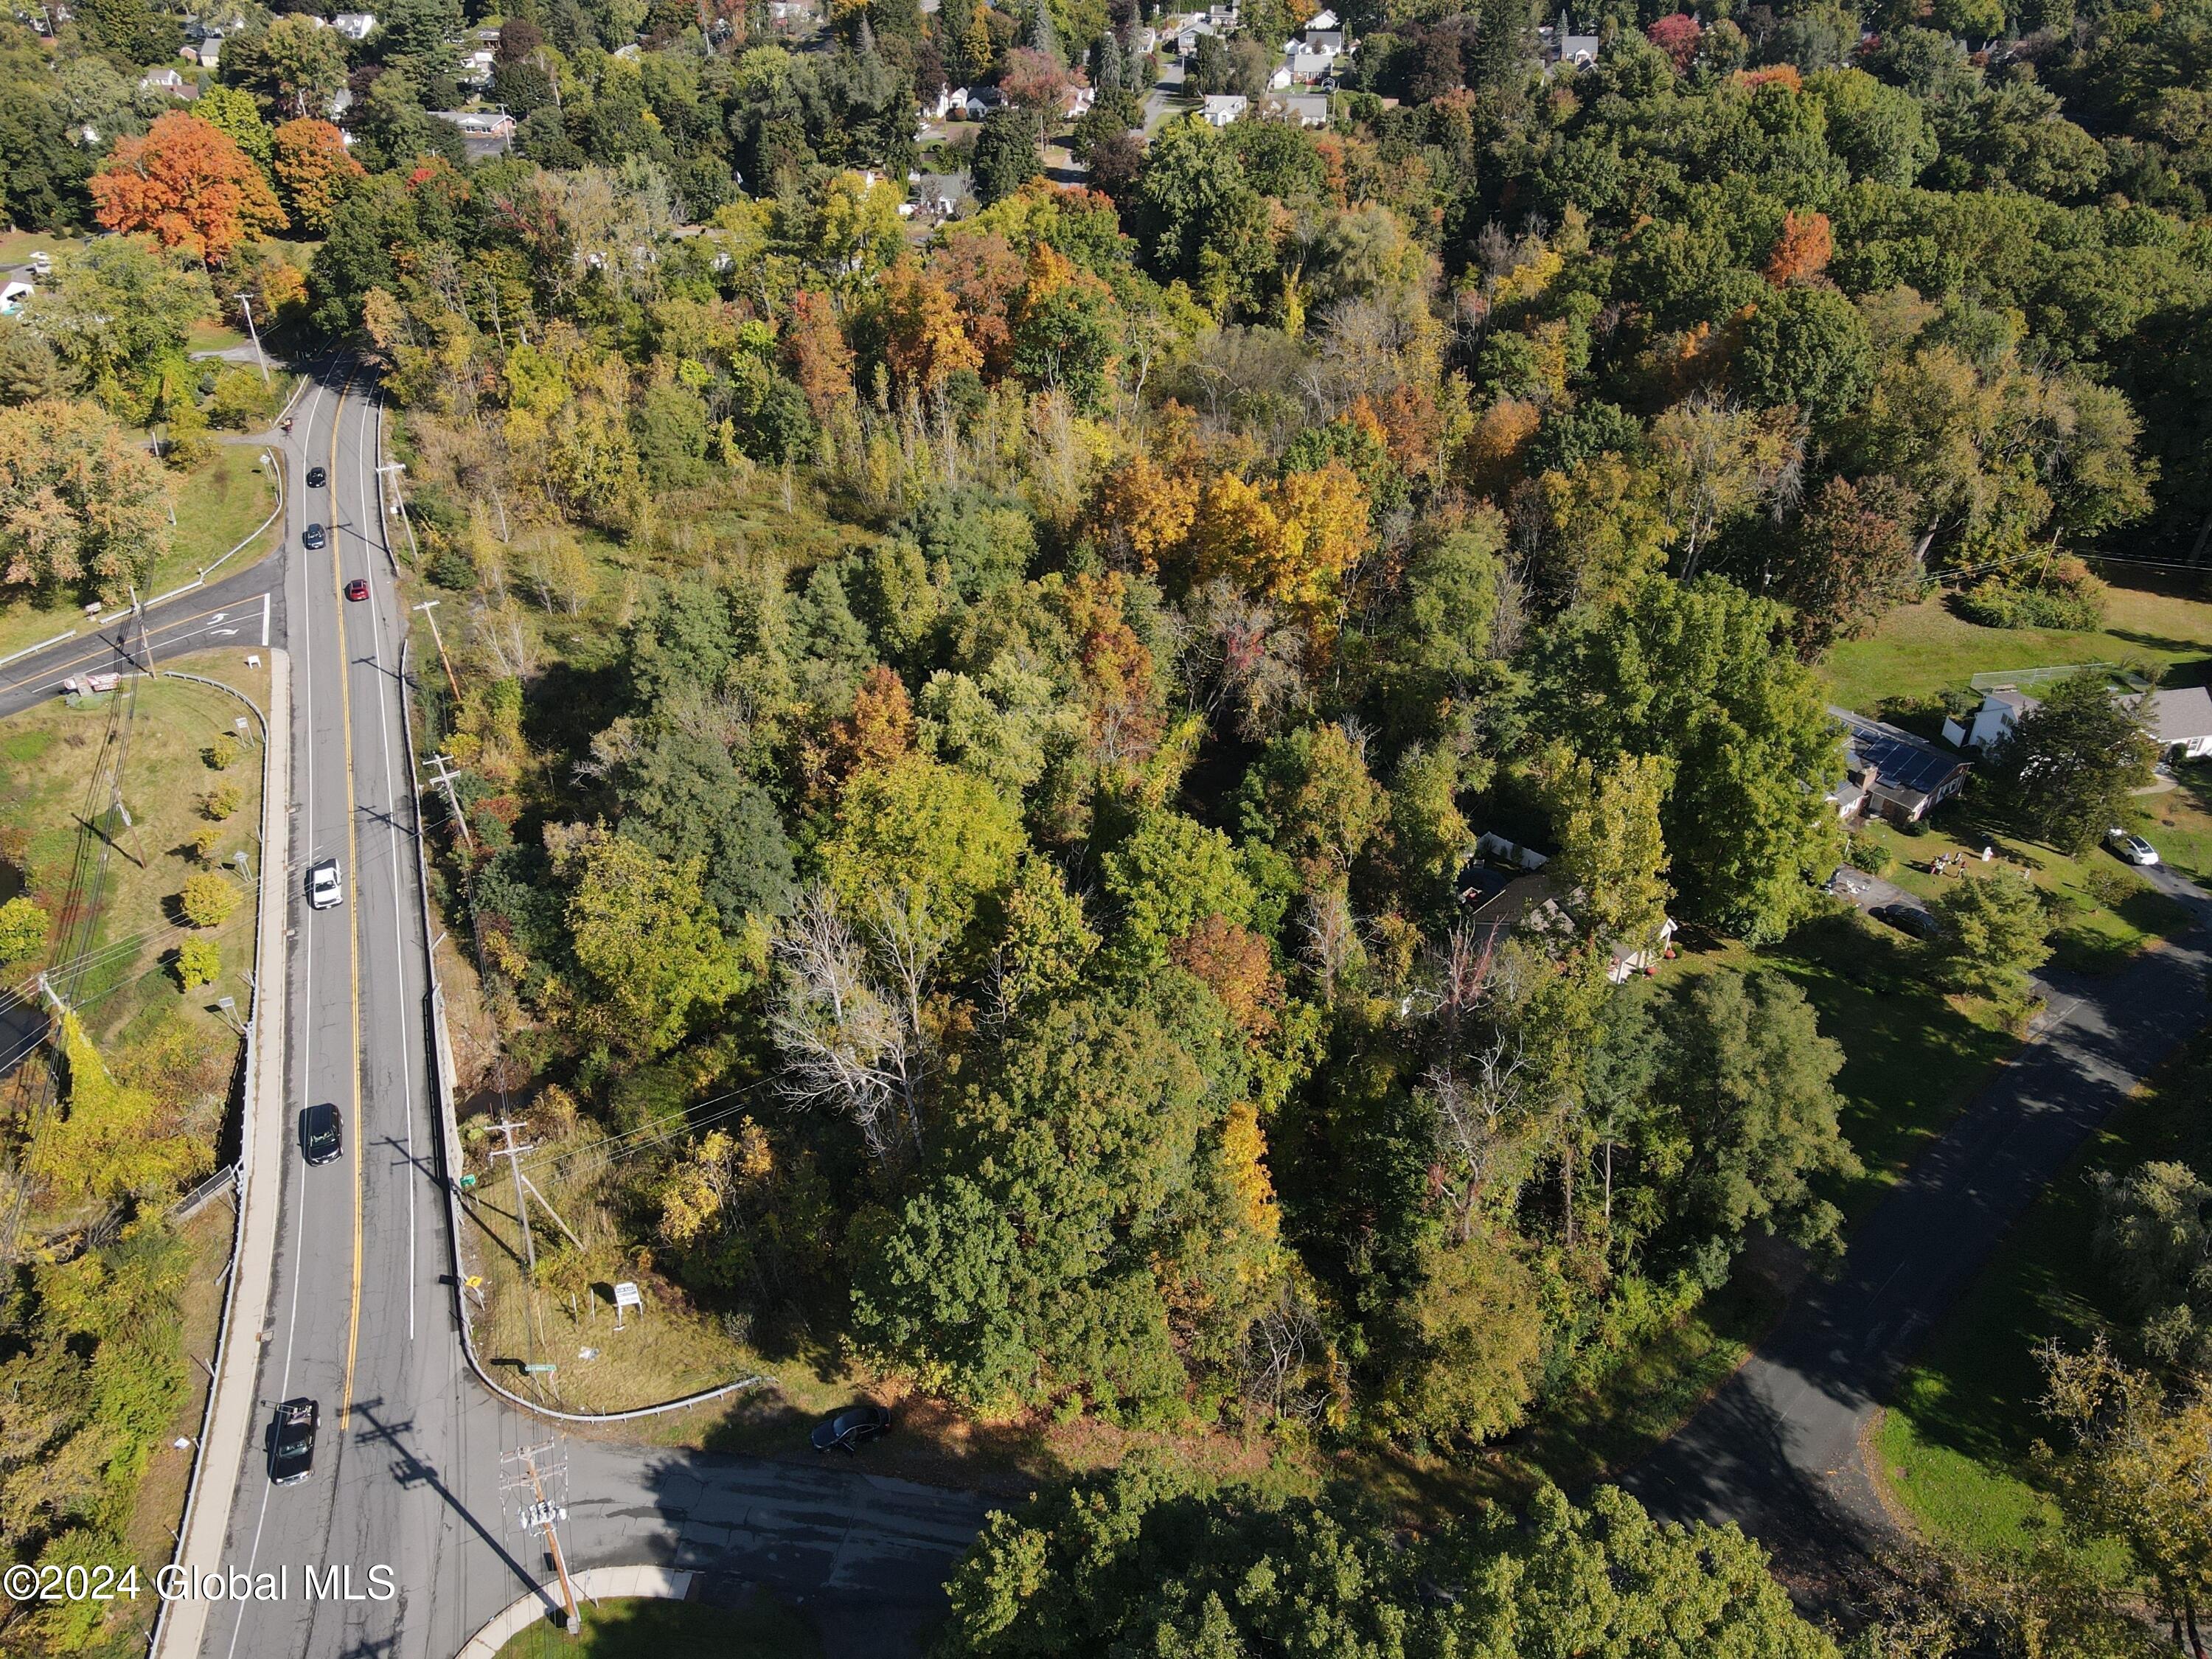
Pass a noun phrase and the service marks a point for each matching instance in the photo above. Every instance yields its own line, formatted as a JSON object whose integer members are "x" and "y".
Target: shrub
{"x": 1863, "y": 851}
{"x": 204, "y": 840}
{"x": 222, "y": 753}
{"x": 208, "y": 900}
{"x": 2064, "y": 595}
{"x": 239, "y": 400}
{"x": 220, "y": 802}
{"x": 198, "y": 962}
{"x": 23, "y": 927}
{"x": 2113, "y": 888}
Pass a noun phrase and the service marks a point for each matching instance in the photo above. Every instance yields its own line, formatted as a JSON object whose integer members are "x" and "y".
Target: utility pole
{"x": 443, "y": 775}
{"x": 537, "y": 1473}
{"x": 245, "y": 304}
{"x": 438, "y": 639}
{"x": 512, "y": 1154}
{"x": 145, "y": 638}
{"x": 526, "y": 1189}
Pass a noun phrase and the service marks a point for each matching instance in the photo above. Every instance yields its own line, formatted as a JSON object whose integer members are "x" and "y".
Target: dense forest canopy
{"x": 1019, "y": 695}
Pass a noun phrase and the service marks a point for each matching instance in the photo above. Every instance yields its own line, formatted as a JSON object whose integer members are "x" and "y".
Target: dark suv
{"x": 313, "y": 538}
{"x": 321, "y": 1137}
{"x": 292, "y": 1441}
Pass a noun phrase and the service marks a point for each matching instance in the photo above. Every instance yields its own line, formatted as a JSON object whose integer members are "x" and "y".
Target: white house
{"x": 476, "y": 69}
{"x": 982, "y": 100}
{"x": 167, "y": 81}
{"x": 1080, "y": 100}
{"x": 1187, "y": 37}
{"x": 1223, "y": 107}
{"x": 15, "y": 294}
{"x": 354, "y": 25}
{"x": 2179, "y": 719}
{"x": 947, "y": 99}
{"x": 1305, "y": 65}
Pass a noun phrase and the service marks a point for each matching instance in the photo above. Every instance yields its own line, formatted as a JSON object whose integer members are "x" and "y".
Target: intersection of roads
{"x": 361, "y": 1313}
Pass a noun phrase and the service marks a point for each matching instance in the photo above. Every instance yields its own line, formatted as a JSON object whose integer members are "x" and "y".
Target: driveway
{"x": 1778, "y": 1449}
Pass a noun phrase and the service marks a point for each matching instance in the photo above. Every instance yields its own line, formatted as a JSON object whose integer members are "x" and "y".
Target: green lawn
{"x": 1925, "y": 649}
{"x": 2178, "y": 820}
{"x": 643, "y": 1629}
{"x": 2105, "y": 911}
{"x": 209, "y": 334}
{"x": 1954, "y": 1447}
{"x": 218, "y": 504}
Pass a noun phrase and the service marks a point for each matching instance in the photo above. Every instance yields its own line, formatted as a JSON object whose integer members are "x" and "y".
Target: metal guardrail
{"x": 205, "y": 1194}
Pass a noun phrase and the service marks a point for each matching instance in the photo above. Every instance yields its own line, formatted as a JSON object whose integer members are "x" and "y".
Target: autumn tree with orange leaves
{"x": 1293, "y": 540}
{"x": 313, "y": 168}
{"x": 1802, "y": 251}
{"x": 188, "y": 183}
{"x": 924, "y": 344}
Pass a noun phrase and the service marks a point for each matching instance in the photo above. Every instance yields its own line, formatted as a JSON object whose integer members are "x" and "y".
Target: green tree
{"x": 1995, "y": 934}
{"x": 1005, "y": 155}
{"x": 652, "y": 963}
{"x": 129, "y": 31}
{"x": 1146, "y": 1558}
{"x": 110, "y": 1140}
{"x": 2066, "y": 770}
{"x": 685, "y": 798}
{"x": 937, "y": 840}
{"x": 1806, "y": 346}
{"x": 1750, "y": 1125}
{"x": 1700, "y": 672}
{"x": 117, "y": 315}
{"x": 2155, "y": 1236}
{"x": 23, "y": 927}
{"x": 1165, "y": 878}
{"x": 1470, "y": 1355}
{"x": 1311, "y": 797}
{"x": 228, "y": 110}
{"x": 1612, "y": 854}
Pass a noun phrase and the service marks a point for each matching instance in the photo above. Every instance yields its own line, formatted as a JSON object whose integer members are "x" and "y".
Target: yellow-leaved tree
{"x": 108, "y": 1141}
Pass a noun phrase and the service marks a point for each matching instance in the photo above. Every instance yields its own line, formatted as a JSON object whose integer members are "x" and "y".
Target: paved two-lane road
{"x": 1778, "y": 1449}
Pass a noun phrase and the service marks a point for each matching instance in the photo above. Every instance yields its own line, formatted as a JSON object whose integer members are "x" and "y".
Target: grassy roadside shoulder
{"x": 1951, "y": 1452}
{"x": 219, "y": 503}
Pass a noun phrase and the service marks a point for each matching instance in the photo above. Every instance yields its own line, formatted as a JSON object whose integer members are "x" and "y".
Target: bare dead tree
{"x": 1277, "y": 1356}
{"x": 846, "y": 1044}
{"x": 1481, "y": 1107}
{"x": 1332, "y": 938}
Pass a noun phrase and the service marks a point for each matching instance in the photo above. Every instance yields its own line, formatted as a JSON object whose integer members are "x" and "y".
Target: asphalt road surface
{"x": 1778, "y": 1449}
{"x": 245, "y": 611}
{"x": 408, "y": 1471}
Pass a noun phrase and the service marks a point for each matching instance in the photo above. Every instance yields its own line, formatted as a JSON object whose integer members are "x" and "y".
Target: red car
{"x": 356, "y": 589}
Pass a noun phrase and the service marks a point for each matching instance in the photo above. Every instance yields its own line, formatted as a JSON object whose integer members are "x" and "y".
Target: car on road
{"x": 851, "y": 1428}
{"x": 1907, "y": 918}
{"x": 324, "y": 887}
{"x": 292, "y": 1441}
{"x": 322, "y": 1136}
{"x": 356, "y": 589}
{"x": 2131, "y": 849}
{"x": 314, "y": 539}
{"x": 316, "y": 478}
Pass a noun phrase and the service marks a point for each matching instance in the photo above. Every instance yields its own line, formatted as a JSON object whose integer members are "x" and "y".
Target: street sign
{"x": 627, "y": 1295}
{"x": 541, "y": 1370}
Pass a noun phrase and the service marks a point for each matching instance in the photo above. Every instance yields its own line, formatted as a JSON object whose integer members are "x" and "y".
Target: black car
{"x": 1907, "y": 919}
{"x": 848, "y": 1429}
{"x": 314, "y": 539}
{"x": 316, "y": 478}
{"x": 321, "y": 1135}
{"x": 292, "y": 1441}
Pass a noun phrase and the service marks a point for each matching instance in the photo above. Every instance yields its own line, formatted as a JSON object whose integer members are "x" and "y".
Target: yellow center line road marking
{"x": 353, "y": 926}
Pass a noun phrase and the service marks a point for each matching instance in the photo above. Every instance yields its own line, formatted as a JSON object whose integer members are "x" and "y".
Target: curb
{"x": 592, "y": 1584}
{"x": 226, "y": 1426}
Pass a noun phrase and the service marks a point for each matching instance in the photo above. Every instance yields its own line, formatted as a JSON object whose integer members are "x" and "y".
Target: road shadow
{"x": 410, "y": 1470}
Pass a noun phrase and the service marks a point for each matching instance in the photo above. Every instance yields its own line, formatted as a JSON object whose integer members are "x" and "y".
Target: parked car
{"x": 324, "y": 887}
{"x": 356, "y": 589}
{"x": 2131, "y": 849}
{"x": 850, "y": 1428}
{"x": 322, "y": 1137}
{"x": 316, "y": 478}
{"x": 1907, "y": 918}
{"x": 292, "y": 1441}
{"x": 314, "y": 539}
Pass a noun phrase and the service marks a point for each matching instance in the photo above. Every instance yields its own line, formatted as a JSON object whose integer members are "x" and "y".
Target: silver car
{"x": 2132, "y": 849}
{"x": 325, "y": 889}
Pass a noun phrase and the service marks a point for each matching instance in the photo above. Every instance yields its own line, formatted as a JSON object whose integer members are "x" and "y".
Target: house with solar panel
{"x": 1891, "y": 774}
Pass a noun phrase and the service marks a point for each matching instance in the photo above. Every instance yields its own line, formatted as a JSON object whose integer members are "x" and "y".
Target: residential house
{"x": 982, "y": 100}
{"x": 1223, "y": 107}
{"x": 354, "y": 25}
{"x": 1532, "y": 905}
{"x": 476, "y": 67}
{"x": 169, "y": 82}
{"x": 1187, "y": 37}
{"x": 484, "y": 132}
{"x": 15, "y": 294}
{"x": 2180, "y": 718}
{"x": 1080, "y": 100}
{"x": 947, "y": 99}
{"x": 1891, "y": 774}
{"x": 1306, "y": 66}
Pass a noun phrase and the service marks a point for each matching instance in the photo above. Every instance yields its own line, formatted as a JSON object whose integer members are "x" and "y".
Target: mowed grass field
{"x": 1924, "y": 650}
{"x": 124, "y": 982}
